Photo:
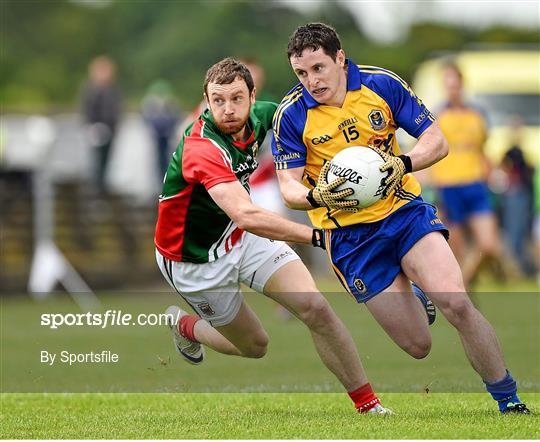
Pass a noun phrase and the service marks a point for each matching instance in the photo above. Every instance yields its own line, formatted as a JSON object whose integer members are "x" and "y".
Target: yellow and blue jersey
{"x": 377, "y": 103}
{"x": 465, "y": 130}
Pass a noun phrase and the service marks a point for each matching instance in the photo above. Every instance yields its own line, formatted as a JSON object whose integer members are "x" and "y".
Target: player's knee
{"x": 316, "y": 311}
{"x": 257, "y": 348}
{"x": 457, "y": 308}
{"x": 418, "y": 348}
{"x": 255, "y": 352}
{"x": 420, "y": 351}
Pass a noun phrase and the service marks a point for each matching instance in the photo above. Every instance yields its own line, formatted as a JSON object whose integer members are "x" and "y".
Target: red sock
{"x": 187, "y": 325}
{"x": 364, "y": 398}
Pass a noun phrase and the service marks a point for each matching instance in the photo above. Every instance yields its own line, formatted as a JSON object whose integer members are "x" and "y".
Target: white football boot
{"x": 379, "y": 409}
{"x": 192, "y": 352}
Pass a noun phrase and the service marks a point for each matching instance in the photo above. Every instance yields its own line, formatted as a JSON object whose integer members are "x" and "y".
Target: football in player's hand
{"x": 359, "y": 165}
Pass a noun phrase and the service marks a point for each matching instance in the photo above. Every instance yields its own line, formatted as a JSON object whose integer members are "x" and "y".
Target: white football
{"x": 360, "y": 166}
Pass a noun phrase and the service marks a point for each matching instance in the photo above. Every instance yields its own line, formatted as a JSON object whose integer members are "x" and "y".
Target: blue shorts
{"x": 461, "y": 202}
{"x": 367, "y": 257}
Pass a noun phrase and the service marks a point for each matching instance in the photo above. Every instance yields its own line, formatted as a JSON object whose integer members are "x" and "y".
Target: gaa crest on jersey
{"x": 360, "y": 286}
{"x": 376, "y": 119}
{"x": 206, "y": 309}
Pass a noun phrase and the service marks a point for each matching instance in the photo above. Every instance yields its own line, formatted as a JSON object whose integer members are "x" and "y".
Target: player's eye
{"x": 301, "y": 73}
{"x": 218, "y": 101}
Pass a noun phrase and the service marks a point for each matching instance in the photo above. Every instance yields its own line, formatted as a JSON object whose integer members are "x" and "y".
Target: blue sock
{"x": 504, "y": 391}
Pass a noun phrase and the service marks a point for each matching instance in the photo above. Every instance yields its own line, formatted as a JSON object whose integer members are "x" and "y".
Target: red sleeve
{"x": 204, "y": 163}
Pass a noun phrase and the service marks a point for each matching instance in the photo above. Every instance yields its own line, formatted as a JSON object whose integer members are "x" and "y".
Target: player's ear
{"x": 253, "y": 96}
{"x": 340, "y": 57}
{"x": 205, "y": 98}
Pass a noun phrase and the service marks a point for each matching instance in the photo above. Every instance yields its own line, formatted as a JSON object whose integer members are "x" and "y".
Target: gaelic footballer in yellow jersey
{"x": 461, "y": 181}
{"x": 377, "y": 103}
{"x": 465, "y": 130}
{"x": 378, "y": 251}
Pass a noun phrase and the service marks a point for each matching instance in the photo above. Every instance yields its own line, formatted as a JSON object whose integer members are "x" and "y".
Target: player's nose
{"x": 229, "y": 108}
{"x": 313, "y": 81}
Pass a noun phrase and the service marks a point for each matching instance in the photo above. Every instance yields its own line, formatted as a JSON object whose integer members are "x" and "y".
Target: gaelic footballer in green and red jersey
{"x": 191, "y": 227}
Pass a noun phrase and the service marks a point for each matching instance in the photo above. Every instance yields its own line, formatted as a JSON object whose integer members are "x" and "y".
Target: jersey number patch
{"x": 350, "y": 133}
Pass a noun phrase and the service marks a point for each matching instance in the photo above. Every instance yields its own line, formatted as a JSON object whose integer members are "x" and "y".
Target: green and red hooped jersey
{"x": 191, "y": 227}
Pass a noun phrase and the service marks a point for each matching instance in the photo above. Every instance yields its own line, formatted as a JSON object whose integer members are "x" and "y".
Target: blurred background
{"x": 95, "y": 94}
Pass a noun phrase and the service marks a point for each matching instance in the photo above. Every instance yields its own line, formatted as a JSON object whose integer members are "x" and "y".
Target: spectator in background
{"x": 101, "y": 101}
{"x": 101, "y": 109}
{"x": 461, "y": 181}
{"x": 160, "y": 111}
{"x": 517, "y": 199}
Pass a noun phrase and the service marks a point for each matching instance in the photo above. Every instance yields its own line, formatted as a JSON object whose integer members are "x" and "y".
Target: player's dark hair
{"x": 314, "y": 36}
{"x": 226, "y": 71}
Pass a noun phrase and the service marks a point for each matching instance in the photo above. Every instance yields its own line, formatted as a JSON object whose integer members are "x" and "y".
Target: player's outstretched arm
{"x": 236, "y": 203}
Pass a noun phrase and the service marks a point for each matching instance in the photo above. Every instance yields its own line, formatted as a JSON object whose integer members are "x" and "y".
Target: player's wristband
{"x": 407, "y": 161}
{"x": 317, "y": 239}
{"x": 311, "y": 200}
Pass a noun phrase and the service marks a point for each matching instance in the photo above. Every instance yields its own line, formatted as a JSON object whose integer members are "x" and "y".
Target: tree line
{"x": 46, "y": 46}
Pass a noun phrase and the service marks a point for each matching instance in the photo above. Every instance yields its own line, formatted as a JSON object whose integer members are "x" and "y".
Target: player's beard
{"x": 233, "y": 128}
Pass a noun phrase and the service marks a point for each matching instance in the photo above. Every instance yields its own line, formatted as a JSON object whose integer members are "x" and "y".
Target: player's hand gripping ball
{"x": 331, "y": 193}
{"x": 397, "y": 167}
{"x": 360, "y": 167}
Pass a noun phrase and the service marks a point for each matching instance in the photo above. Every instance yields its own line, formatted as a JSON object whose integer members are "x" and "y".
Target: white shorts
{"x": 212, "y": 289}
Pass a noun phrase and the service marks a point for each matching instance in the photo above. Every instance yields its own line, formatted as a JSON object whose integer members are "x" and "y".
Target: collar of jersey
{"x": 354, "y": 83}
{"x": 254, "y": 123}
{"x": 244, "y": 144}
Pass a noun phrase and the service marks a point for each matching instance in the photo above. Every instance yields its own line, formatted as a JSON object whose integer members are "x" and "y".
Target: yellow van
{"x": 504, "y": 83}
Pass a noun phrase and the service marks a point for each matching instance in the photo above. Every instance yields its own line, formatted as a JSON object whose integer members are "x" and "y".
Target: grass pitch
{"x": 258, "y": 416}
{"x": 149, "y": 364}
{"x": 152, "y": 394}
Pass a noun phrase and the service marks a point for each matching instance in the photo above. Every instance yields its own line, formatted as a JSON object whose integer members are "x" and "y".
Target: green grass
{"x": 286, "y": 394}
{"x": 258, "y": 416}
{"x": 149, "y": 363}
